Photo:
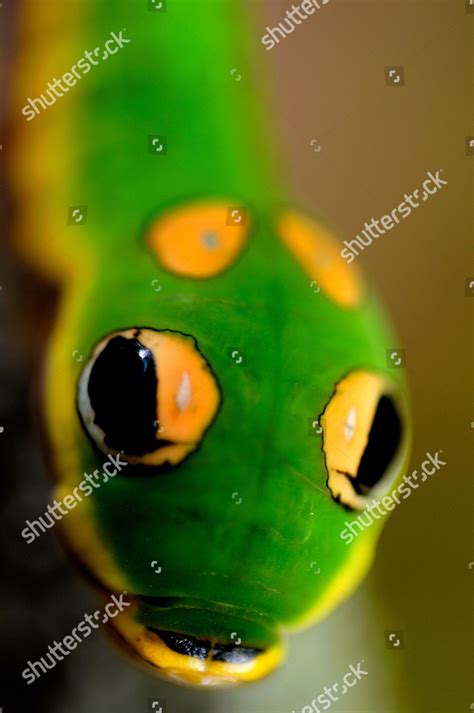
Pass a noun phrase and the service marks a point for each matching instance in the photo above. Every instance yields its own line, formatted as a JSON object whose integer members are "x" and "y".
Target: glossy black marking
{"x": 384, "y": 440}
{"x": 230, "y": 653}
{"x": 183, "y": 643}
{"x": 123, "y": 394}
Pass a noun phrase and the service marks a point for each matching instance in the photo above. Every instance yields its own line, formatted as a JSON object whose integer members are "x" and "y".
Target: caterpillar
{"x": 217, "y": 398}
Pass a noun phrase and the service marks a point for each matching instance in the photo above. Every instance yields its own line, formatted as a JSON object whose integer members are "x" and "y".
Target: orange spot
{"x": 319, "y": 255}
{"x": 188, "y": 396}
{"x": 346, "y": 423}
{"x": 200, "y": 240}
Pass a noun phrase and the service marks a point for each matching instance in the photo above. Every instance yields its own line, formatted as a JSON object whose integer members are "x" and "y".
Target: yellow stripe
{"x": 341, "y": 587}
{"x": 42, "y": 177}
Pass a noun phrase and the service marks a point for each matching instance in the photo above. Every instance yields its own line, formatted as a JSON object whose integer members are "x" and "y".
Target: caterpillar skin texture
{"x": 209, "y": 336}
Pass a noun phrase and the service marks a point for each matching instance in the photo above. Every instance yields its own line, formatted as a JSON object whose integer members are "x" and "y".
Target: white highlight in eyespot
{"x": 350, "y": 424}
{"x": 183, "y": 395}
{"x": 85, "y": 406}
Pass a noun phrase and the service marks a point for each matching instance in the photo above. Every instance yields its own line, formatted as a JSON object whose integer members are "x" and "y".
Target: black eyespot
{"x": 122, "y": 390}
{"x": 384, "y": 440}
{"x": 364, "y": 441}
{"x": 147, "y": 394}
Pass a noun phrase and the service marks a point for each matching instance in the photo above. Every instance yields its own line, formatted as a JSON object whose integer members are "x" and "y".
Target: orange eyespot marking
{"x": 188, "y": 395}
{"x": 200, "y": 240}
{"x": 149, "y": 395}
{"x": 319, "y": 255}
{"x": 362, "y": 437}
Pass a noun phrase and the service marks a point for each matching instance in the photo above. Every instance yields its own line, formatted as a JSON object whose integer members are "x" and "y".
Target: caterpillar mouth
{"x": 189, "y": 659}
{"x": 203, "y": 649}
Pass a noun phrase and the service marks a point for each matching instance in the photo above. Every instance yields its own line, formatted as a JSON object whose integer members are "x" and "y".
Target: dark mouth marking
{"x": 187, "y": 645}
{"x": 183, "y": 644}
{"x": 230, "y": 653}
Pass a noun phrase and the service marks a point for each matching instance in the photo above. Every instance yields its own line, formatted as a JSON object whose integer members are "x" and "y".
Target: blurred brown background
{"x": 377, "y": 142}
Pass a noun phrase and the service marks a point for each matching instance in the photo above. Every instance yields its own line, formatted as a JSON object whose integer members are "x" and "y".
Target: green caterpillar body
{"x": 211, "y": 343}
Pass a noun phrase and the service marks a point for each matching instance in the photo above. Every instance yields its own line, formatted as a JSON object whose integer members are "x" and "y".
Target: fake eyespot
{"x": 149, "y": 395}
{"x": 199, "y": 240}
{"x": 363, "y": 438}
{"x": 317, "y": 251}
